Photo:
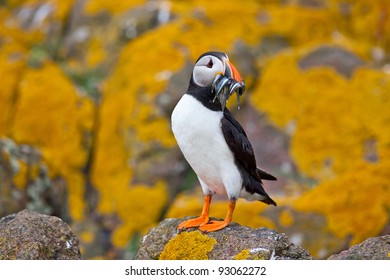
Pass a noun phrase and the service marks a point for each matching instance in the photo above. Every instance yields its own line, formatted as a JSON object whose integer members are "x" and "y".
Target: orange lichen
{"x": 96, "y": 6}
{"x": 337, "y": 126}
{"x": 86, "y": 237}
{"x": 126, "y": 114}
{"x": 188, "y": 246}
{"x": 256, "y": 21}
{"x": 355, "y": 203}
{"x": 12, "y": 63}
{"x": 365, "y": 20}
{"x": 333, "y": 138}
{"x": 96, "y": 53}
{"x": 129, "y": 122}
{"x": 57, "y": 8}
{"x": 286, "y": 219}
{"x": 138, "y": 207}
{"x": 20, "y": 178}
{"x": 58, "y": 132}
{"x": 334, "y": 123}
{"x": 345, "y": 132}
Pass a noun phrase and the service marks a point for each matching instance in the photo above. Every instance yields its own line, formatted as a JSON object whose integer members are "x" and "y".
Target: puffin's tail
{"x": 257, "y": 187}
{"x": 265, "y": 176}
{"x": 269, "y": 201}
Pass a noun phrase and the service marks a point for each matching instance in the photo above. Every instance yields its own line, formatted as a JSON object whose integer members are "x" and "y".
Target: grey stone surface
{"x": 28, "y": 235}
{"x": 374, "y": 248}
{"x": 232, "y": 242}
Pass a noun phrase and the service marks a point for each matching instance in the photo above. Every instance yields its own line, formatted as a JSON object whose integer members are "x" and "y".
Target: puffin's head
{"x": 214, "y": 70}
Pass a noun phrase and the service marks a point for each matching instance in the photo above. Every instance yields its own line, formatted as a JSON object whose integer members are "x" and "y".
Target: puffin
{"x": 214, "y": 143}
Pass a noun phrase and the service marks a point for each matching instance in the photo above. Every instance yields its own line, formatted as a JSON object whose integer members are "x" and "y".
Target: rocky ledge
{"x": 233, "y": 242}
{"x": 28, "y": 235}
{"x": 239, "y": 242}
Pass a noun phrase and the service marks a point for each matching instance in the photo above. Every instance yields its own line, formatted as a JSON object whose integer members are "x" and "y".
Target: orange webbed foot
{"x": 214, "y": 226}
{"x": 217, "y": 225}
{"x": 202, "y": 220}
{"x": 191, "y": 223}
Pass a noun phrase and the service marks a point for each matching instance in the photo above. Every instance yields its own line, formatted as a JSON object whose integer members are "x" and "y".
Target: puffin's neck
{"x": 204, "y": 95}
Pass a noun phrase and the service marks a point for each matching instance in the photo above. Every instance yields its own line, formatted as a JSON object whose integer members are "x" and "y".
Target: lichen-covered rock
{"x": 375, "y": 248}
{"x": 233, "y": 242}
{"x": 28, "y": 235}
{"x": 25, "y": 182}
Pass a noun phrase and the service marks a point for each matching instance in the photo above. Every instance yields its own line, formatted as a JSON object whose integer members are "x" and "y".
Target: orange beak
{"x": 234, "y": 72}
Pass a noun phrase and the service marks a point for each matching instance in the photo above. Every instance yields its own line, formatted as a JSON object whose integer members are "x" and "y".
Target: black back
{"x": 244, "y": 156}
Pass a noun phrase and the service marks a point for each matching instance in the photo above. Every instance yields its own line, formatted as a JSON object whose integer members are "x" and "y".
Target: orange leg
{"x": 217, "y": 225}
{"x": 202, "y": 220}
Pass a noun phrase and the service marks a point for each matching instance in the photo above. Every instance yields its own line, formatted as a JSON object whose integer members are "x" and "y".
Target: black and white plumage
{"x": 214, "y": 143}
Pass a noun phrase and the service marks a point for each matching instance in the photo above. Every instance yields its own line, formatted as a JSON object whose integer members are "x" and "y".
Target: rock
{"x": 25, "y": 182}
{"x": 341, "y": 60}
{"x": 233, "y": 242}
{"x": 28, "y": 235}
{"x": 374, "y": 248}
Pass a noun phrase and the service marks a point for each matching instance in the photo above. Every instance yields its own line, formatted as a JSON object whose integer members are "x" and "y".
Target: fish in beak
{"x": 226, "y": 84}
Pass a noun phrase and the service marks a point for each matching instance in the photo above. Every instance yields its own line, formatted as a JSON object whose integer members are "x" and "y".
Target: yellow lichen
{"x": 333, "y": 138}
{"x": 250, "y": 255}
{"x": 51, "y": 116}
{"x": 95, "y": 6}
{"x": 138, "y": 208}
{"x": 286, "y": 219}
{"x": 12, "y": 63}
{"x": 129, "y": 120}
{"x": 20, "y": 178}
{"x": 334, "y": 123}
{"x": 188, "y": 246}
{"x": 337, "y": 125}
{"x": 355, "y": 204}
{"x": 57, "y": 8}
{"x": 96, "y": 53}
{"x": 364, "y": 20}
{"x": 86, "y": 237}
{"x": 127, "y": 117}
{"x": 243, "y": 255}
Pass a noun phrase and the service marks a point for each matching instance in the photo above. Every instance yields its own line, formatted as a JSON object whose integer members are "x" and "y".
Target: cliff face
{"x": 233, "y": 242}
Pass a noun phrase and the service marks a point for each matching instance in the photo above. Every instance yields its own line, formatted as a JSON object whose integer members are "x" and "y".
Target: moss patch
{"x": 188, "y": 246}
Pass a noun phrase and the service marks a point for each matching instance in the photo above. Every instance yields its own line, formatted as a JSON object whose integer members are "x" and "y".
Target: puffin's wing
{"x": 239, "y": 144}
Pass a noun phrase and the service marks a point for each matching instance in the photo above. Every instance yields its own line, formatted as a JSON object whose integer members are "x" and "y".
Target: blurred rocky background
{"x": 88, "y": 86}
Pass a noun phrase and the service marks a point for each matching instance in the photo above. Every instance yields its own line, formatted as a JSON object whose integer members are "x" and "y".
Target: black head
{"x": 206, "y": 69}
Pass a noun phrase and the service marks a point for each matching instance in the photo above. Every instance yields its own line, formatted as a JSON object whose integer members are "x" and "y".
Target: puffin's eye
{"x": 210, "y": 64}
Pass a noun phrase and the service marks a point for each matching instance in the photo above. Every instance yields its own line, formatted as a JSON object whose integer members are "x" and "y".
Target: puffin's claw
{"x": 224, "y": 87}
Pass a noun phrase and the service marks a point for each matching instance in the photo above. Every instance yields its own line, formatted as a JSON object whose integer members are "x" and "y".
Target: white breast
{"x": 199, "y": 135}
